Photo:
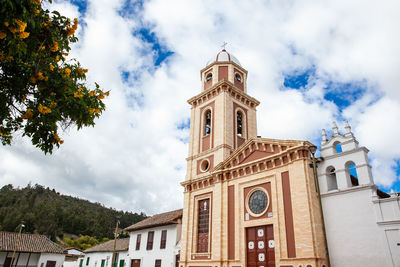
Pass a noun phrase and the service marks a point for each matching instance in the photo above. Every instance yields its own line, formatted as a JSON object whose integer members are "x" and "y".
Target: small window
{"x": 87, "y": 261}
{"x": 157, "y": 263}
{"x": 121, "y": 263}
{"x": 207, "y": 122}
{"x": 204, "y": 165}
{"x": 163, "y": 242}
{"x": 209, "y": 77}
{"x": 239, "y": 123}
{"x": 150, "y": 237}
{"x": 238, "y": 77}
{"x": 138, "y": 238}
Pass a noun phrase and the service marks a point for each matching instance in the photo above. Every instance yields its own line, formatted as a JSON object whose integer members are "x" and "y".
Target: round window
{"x": 209, "y": 77}
{"x": 204, "y": 165}
{"x": 258, "y": 202}
{"x": 238, "y": 77}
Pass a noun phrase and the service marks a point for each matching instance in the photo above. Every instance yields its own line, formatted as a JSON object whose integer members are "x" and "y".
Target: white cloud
{"x": 134, "y": 158}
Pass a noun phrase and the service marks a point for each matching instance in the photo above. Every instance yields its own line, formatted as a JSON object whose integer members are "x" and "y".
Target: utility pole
{"x": 115, "y": 243}
{"x": 17, "y": 243}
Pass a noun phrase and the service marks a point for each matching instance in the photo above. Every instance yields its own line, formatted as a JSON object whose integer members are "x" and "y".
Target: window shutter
{"x": 150, "y": 237}
{"x": 138, "y": 238}
{"x": 163, "y": 239}
{"x": 158, "y": 263}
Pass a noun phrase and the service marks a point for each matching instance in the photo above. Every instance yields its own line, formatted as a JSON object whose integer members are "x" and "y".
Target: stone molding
{"x": 223, "y": 86}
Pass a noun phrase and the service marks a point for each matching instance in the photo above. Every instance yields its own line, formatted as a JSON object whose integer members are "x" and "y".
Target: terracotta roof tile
{"x": 157, "y": 220}
{"x": 28, "y": 243}
{"x": 122, "y": 244}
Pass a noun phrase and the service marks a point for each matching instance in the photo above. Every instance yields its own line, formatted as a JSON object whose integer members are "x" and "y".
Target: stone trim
{"x": 199, "y": 155}
{"x": 389, "y": 222}
{"x": 270, "y": 162}
{"x": 345, "y": 152}
{"x": 348, "y": 190}
{"x": 224, "y": 86}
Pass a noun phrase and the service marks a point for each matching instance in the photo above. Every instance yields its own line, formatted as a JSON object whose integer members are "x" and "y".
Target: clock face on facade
{"x": 258, "y": 202}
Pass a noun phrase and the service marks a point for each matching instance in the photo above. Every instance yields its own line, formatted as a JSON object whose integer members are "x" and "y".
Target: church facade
{"x": 248, "y": 201}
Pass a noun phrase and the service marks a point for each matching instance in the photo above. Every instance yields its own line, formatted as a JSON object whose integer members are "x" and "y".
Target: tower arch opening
{"x": 338, "y": 147}
{"x": 351, "y": 173}
{"x": 331, "y": 178}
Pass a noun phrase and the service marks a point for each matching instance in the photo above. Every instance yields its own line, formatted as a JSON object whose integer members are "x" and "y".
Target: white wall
{"x": 35, "y": 259}
{"x": 148, "y": 257}
{"x": 96, "y": 257}
{"x": 387, "y": 212}
{"x": 21, "y": 257}
{"x": 44, "y": 257}
{"x": 351, "y": 230}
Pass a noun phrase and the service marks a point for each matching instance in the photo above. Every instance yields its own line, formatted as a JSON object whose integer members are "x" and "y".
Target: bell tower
{"x": 223, "y": 116}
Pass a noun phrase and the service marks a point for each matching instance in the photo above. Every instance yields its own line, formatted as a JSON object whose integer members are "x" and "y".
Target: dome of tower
{"x": 223, "y": 56}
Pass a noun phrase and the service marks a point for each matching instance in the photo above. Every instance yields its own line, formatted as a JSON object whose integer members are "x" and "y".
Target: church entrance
{"x": 260, "y": 246}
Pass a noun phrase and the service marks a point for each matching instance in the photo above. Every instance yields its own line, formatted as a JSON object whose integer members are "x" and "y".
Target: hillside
{"x": 47, "y": 212}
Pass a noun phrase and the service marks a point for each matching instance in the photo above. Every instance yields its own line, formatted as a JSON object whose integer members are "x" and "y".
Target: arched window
{"x": 338, "y": 147}
{"x": 209, "y": 77}
{"x": 351, "y": 171}
{"x": 331, "y": 178}
{"x": 207, "y": 122}
{"x": 239, "y": 123}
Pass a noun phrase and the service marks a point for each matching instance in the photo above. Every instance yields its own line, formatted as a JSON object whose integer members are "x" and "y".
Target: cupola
{"x": 223, "y": 56}
{"x": 223, "y": 66}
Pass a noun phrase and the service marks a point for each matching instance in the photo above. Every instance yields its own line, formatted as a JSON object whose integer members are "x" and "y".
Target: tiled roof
{"x": 157, "y": 220}
{"x": 28, "y": 243}
{"x": 122, "y": 244}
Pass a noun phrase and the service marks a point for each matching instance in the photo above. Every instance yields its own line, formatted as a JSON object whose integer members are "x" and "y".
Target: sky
{"x": 309, "y": 63}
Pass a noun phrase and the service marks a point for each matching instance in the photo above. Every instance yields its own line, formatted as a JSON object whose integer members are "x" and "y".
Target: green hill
{"x": 47, "y": 212}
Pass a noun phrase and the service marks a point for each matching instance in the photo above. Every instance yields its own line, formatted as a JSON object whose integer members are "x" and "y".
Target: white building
{"x": 362, "y": 223}
{"x": 101, "y": 255}
{"x": 30, "y": 251}
{"x": 155, "y": 241}
{"x": 72, "y": 259}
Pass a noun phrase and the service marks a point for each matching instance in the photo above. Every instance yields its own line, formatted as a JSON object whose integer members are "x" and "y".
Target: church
{"x": 248, "y": 201}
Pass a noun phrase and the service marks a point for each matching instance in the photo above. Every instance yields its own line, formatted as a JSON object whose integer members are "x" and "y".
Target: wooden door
{"x": 7, "y": 262}
{"x": 135, "y": 263}
{"x": 260, "y": 246}
{"x": 51, "y": 264}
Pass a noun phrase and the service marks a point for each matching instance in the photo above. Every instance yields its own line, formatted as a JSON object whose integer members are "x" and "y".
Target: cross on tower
{"x": 224, "y": 45}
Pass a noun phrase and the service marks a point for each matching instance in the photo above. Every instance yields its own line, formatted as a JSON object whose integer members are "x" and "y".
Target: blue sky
{"x": 309, "y": 63}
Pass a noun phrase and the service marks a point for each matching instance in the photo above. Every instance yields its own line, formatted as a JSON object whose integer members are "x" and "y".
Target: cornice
{"x": 267, "y": 163}
{"x": 223, "y": 63}
{"x": 208, "y": 152}
{"x": 224, "y": 86}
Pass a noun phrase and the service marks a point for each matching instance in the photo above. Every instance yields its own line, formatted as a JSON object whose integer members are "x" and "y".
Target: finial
{"x": 224, "y": 45}
{"x": 324, "y": 137}
{"x": 347, "y": 127}
{"x": 335, "y": 128}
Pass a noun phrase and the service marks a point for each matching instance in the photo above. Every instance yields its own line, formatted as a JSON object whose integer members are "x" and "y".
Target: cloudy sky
{"x": 310, "y": 62}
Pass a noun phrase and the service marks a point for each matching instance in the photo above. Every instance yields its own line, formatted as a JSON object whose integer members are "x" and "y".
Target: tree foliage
{"x": 47, "y": 212}
{"x": 41, "y": 90}
{"x": 84, "y": 242}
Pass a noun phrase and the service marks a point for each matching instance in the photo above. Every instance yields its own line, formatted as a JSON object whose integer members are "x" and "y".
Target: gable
{"x": 258, "y": 148}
